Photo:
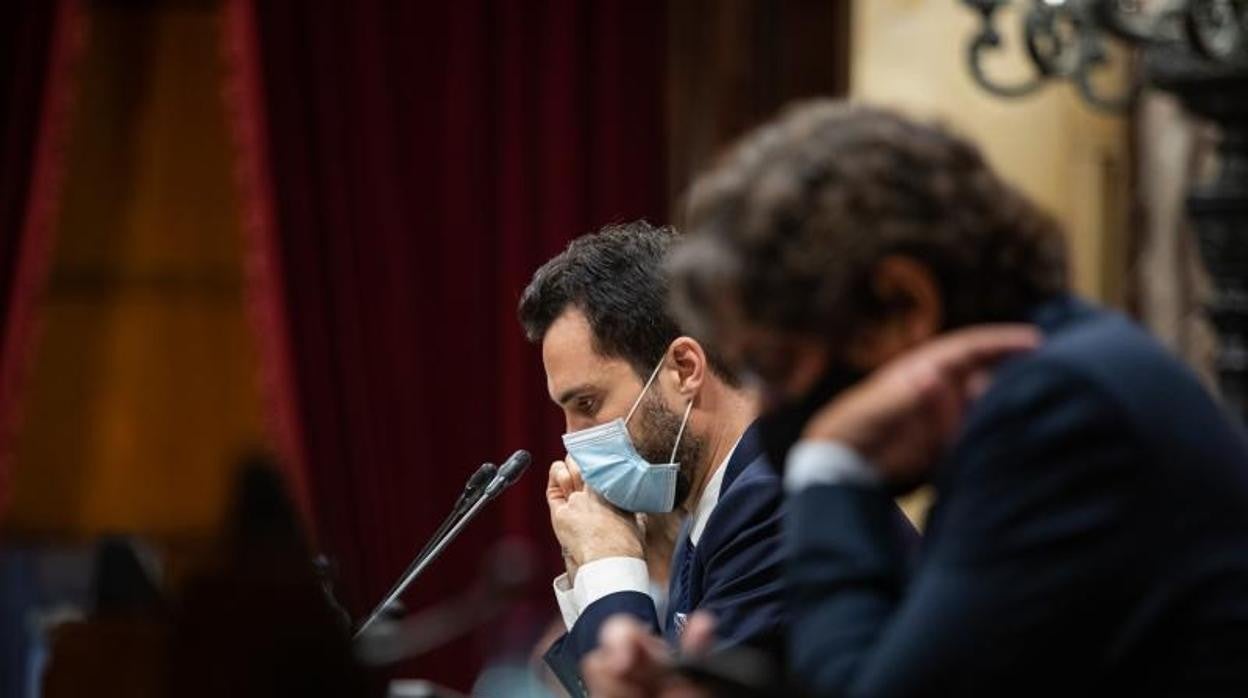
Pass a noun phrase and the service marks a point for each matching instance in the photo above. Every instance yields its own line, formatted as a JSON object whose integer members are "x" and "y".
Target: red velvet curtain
{"x": 407, "y": 167}
{"x": 39, "y": 40}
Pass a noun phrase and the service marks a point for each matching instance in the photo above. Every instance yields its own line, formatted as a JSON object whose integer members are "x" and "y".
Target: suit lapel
{"x": 682, "y": 597}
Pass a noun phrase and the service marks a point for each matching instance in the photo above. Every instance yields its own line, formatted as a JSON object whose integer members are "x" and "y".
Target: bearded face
{"x": 654, "y": 431}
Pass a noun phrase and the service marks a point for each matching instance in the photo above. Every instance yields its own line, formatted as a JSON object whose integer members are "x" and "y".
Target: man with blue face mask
{"x": 654, "y": 429}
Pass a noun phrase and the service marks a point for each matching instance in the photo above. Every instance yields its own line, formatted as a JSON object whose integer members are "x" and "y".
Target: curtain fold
{"x": 39, "y": 42}
{"x": 408, "y": 166}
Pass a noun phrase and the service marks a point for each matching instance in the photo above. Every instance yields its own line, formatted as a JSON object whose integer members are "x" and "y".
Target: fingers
{"x": 602, "y": 682}
{"x": 954, "y": 369}
{"x": 619, "y": 637}
{"x": 977, "y": 384}
{"x": 563, "y": 475}
{"x": 964, "y": 357}
{"x": 557, "y": 483}
{"x": 575, "y": 471}
{"x": 628, "y": 661}
{"x": 561, "y": 479}
{"x": 699, "y": 635}
{"x": 963, "y": 351}
{"x": 927, "y": 390}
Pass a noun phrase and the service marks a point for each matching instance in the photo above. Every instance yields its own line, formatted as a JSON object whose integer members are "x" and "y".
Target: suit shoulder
{"x": 1107, "y": 392}
{"x": 1108, "y": 349}
{"x": 753, "y": 504}
{"x": 756, "y": 486}
{"x": 1106, "y": 359}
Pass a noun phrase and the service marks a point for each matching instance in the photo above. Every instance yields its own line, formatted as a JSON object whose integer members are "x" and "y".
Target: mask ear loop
{"x": 683, "y": 422}
{"x": 644, "y": 388}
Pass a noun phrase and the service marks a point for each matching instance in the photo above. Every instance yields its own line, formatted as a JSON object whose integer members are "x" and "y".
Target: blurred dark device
{"x": 738, "y": 672}
{"x": 125, "y": 578}
{"x": 257, "y": 621}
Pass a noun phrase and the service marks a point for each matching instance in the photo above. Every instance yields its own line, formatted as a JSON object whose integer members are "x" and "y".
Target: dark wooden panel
{"x": 731, "y": 64}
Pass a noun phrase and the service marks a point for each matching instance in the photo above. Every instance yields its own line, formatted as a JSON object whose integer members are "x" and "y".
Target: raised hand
{"x": 587, "y": 526}
{"x": 903, "y": 416}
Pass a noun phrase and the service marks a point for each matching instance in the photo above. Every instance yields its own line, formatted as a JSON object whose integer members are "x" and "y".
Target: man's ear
{"x": 911, "y": 307}
{"x": 690, "y": 362}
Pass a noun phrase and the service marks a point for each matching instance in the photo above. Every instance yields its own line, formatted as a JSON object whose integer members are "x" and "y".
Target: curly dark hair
{"x": 792, "y": 222}
{"x": 616, "y": 278}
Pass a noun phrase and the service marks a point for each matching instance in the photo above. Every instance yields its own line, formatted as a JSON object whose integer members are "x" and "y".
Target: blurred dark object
{"x": 125, "y": 584}
{"x": 119, "y": 649}
{"x": 113, "y": 655}
{"x": 739, "y": 672}
{"x": 1195, "y": 49}
{"x": 263, "y": 519}
{"x": 260, "y": 623}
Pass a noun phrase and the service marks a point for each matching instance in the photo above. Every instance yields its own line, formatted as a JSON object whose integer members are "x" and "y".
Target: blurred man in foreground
{"x": 654, "y": 428}
{"x": 1089, "y": 530}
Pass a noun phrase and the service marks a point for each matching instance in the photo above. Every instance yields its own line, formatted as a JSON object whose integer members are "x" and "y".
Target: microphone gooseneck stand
{"x": 424, "y": 562}
{"x": 506, "y": 475}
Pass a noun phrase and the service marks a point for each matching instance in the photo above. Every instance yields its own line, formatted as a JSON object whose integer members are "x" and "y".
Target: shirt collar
{"x": 709, "y": 498}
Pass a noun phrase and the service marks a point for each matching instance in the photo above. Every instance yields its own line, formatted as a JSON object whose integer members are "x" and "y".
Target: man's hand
{"x": 560, "y": 484}
{"x": 905, "y": 414}
{"x": 632, "y": 663}
{"x": 587, "y": 527}
{"x": 565, "y": 478}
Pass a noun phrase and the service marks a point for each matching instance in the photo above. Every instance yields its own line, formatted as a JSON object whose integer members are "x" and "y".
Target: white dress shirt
{"x": 610, "y": 575}
{"x": 811, "y": 463}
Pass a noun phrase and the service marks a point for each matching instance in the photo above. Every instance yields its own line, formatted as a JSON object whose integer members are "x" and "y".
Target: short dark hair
{"x": 793, "y": 221}
{"x": 616, "y": 277}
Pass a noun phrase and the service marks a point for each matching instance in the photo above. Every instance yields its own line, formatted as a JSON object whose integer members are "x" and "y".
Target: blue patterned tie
{"x": 679, "y": 596}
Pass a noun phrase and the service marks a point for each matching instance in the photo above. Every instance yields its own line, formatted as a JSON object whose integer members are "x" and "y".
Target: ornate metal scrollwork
{"x": 1195, "y": 49}
{"x": 989, "y": 39}
{"x": 1069, "y": 39}
{"x": 1218, "y": 29}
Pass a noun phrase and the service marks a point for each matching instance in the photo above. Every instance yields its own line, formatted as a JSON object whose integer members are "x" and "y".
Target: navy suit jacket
{"x": 734, "y": 572}
{"x": 1090, "y": 535}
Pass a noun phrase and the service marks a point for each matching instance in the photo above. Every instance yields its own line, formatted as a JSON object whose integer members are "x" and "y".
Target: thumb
{"x": 699, "y": 635}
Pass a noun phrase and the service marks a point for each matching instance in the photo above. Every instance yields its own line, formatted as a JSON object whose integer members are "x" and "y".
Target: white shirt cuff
{"x": 609, "y": 575}
{"x": 813, "y": 463}
{"x": 567, "y": 601}
{"x": 597, "y": 579}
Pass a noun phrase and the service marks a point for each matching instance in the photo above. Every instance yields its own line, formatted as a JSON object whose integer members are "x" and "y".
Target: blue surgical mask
{"x": 611, "y": 466}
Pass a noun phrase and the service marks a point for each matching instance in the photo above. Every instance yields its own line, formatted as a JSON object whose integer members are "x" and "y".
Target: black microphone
{"x": 484, "y": 476}
{"x": 508, "y": 473}
{"x": 473, "y": 489}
